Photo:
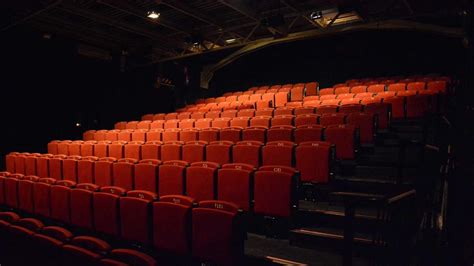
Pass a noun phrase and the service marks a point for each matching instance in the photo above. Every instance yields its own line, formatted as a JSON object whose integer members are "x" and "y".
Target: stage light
{"x": 231, "y": 40}
{"x": 78, "y": 124}
{"x": 153, "y": 15}
{"x": 316, "y": 15}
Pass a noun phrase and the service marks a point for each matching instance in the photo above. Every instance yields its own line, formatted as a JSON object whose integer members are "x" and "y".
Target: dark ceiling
{"x": 188, "y": 27}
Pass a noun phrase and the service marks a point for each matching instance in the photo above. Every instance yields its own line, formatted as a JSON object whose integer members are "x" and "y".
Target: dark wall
{"x": 340, "y": 57}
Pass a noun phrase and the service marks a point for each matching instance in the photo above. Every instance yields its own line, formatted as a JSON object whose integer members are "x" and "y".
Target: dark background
{"x": 47, "y": 87}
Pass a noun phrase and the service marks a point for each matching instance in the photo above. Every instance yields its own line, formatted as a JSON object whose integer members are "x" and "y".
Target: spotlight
{"x": 78, "y": 124}
{"x": 153, "y": 14}
{"x": 231, "y": 40}
{"x": 316, "y": 15}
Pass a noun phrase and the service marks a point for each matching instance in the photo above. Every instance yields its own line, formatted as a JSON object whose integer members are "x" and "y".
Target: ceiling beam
{"x": 90, "y": 31}
{"x": 178, "y": 5}
{"x": 378, "y": 25}
{"x": 48, "y": 7}
{"x": 169, "y": 44}
{"x": 132, "y": 10}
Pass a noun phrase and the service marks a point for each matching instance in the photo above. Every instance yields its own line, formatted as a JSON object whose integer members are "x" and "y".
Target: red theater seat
{"x": 197, "y": 115}
{"x": 85, "y": 169}
{"x": 278, "y": 153}
{"x": 332, "y": 119}
{"x": 201, "y": 180}
{"x": 99, "y": 135}
{"x": 101, "y": 149}
{"x": 120, "y": 125}
{"x": 327, "y": 108}
{"x": 283, "y": 120}
{"x": 75, "y": 147}
{"x": 247, "y": 152}
{"x": 303, "y": 110}
{"x": 396, "y": 87}
{"x": 219, "y": 152}
{"x": 189, "y": 134}
{"x": 342, "y": 90}
{"x": 417, "y": 106}
{"x": 327, "y": 97}
{"x": 112, "y": 135}
{"x": 359, "y": 89}
{"x": 397, "y": 106}
{"x": 116, "y": 149}
{"x": 171, "y": 224}
{"x": 281, "y": 98}
{"x": 25, "y": 193}
{"x": 84, "y": 250}
{"x": 274, "y": 191}
{"x": 70, "y": 168}
{"x": 306, "y": 119}
{"x": 232, "y": 134}
{"x": 283, "y": 111}
{"x": 254, "y": 134}
{"x": 216, "y": 233}
{"x": 234, "y": 184}
{"x": 311, "y": 170}
{"x": 123, "y": 173}
{"x": 146, "y": 175}
{"x": 171, "y": 116}
{"x": 264, "y": 112}
{"x": 186, "y": 123}
{"x": 60, "y": 198}
{"x": 208, "y": 134}
{"x": 297, "y": 93}
{"x": 125, "y": 135}
{"x": 260, "y": 121}
{"x": 229, "y": 114}
{"x": 171, "y": 178}
{"x": 157, "y": 124}
{"x": 280, "y": 133}
{"x": 221, "y": 122}
{"x": 151, "y": 150}
{"x": 382, "y": 111}
{"x": 184, "y": 115}
{"x": 343, "y": 136}
{"x": 311, "y": 88}
{"x": 366, "y": 124}
{"x": 145, "y": 124}
{"x": 308, "y": 133}
{"x": 103, "y": 171}
{"x": 30, "y": 164}
{"x": 41, "y": 195}
{"x": 171, "y": 151}
{"x": 203, "y": 123}
{"x": 87, "y": 148}
{"x": 135, "y": 216}
{"x": 81, "y": 205}
{"x": 88, "y": 135}
{"x": 56, "y": 166}
{"x": 376, "y": 88}
{"x": 242, "y": 122}
{"x": 193, "y": 151}
{"x": 325, "y": 91}
{"x": 133, "y": 150}
{"x": 106, "y": 210}
{"x": 171, "y": 135}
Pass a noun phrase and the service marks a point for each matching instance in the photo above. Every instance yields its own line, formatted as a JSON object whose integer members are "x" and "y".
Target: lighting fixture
{"x": 153, "y": 14}
{"x": 316, "y": 15}
{"x": 231, "y": 40}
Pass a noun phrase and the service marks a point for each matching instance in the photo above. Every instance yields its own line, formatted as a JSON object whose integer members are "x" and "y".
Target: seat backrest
{"x": 332, "y": 119}
{"x": 247, "y": 152}
{"x": 171, "y": 179}
{"x": 106, "y": 210}
{"x": 278, "y": 201}
{"x": 171, "y": 223}
{"x": 313, "y": 171}
{"x": 280, "y": 133}
{"x": 135, "y": 216}
{"x": 225, "y": 228}
{"x": 254, "y": 134}
{"x": 189, "y": 134}
{"x": 278, "y": 153}
{"x": 193, "y": 151}
{"x": 343, "y": 136}
{"x": 171, "y": 151}
{"x": 146, "y": 175}
{"x": 201, "y": 180}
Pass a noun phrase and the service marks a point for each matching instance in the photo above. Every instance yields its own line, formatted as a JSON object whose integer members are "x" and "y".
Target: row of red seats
{"x": 212, "y": 231}
{"x": 394, "y": 79}
{"x": 28, "y": 241}
{"x": 312, "y": 159}
{"x": 294, "y": 108}
{"x": 297, "y": 92}
{"x": 344, "y": 136}
{"x": 434, "y": 86}
{"x": 236, "y": 183}
{"x": 253, "y": 128}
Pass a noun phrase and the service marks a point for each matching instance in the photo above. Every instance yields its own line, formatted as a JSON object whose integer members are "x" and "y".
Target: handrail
{"x": 401, "y": 196}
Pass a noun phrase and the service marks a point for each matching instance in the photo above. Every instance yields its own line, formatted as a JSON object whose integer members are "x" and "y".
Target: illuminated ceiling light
{"x": 316, "y": 15}
{"x": 153, "y": 15}
{"x": 231, "y": 40}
